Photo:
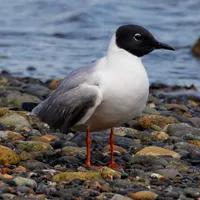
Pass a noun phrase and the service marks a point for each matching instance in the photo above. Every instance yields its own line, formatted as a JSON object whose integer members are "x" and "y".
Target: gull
{"x": 106, "y": 94}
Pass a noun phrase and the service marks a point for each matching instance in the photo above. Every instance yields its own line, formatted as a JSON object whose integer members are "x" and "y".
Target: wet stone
{"x": 14, "y": 121}
{"x": 34, "y": 165}
{"x": 21, "y": 181}
{"x": 23, "y": 189}
{"x": 192, "y": 192}
{"x": 180, "y": 130}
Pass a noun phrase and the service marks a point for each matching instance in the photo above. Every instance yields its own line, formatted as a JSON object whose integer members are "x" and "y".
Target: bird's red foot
{"x": 114, "y": 165}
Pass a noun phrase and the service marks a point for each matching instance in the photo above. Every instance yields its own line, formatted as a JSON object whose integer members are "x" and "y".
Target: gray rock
{"x": 174, "y": 139}
{"x": 3, "y": 136}
{"x": 14, "y": 121}
{"x": 125, "y": 183}
{"x": 11, "y": 98}
{"x": 192, "y": 192}
{"x": 34, "y": 165}
{"x": 23, "y": 189}
{"x": 150, "y": 111}
{"x": 182, "y": 152}
{"x": 21, "y": 181}
{"x": 169, "y": 173}
{"x": 182, "y": 129}
{"x": 36, "y": 90}
{"x": 186, "y": 146}
{"x": 195, "y": 121}
{"x": 4, "y": 188}
{"x": 7, "y": 196}
{"x": 119, "y": 197}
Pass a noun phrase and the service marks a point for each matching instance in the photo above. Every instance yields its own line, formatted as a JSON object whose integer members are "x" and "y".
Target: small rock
{"x": 20, "y": 181}
{"x": 8, "y": 156}
{"x": 34, "y": 165}
{"x": 169, "y": 173}
{"x": 157, "y": 151}
{"x": 126, "y": 183}
{"x": 160, "y": 135}
{"x": 3, "y": 136}
{"x": 182, "y": 129}
{"x": 150, "y": 111}
{"x": 143, "y": 195}
{"x": 32, "y": 146}
{"x": 150, "y": 121}
{"x": 195, "y": 121}
{"x": 14, "y": 135}
{"x": 49, "y": 138}
{"x": 69, "y": 176}
{"x": 14, "y": 121}
{"x": 119, "y": 197}
{"x": 73, "y": 151}
{"x": 124, "y": 131}
{"x": 177, "y": 106}
{"x": 192, "y": 192}
{"x": 195, "y": 142}
{"x": 186, "y": 146}
{"x": 23, "y": 189}
{"x": 117, "y": 149}
{"x": 108, "y": 173}
{"x": 14, "y": 99}
{"x": 8, "y": 196}
{"x": 36, "y": 90}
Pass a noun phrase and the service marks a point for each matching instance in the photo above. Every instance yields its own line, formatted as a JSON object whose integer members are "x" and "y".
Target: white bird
{"x": 106, "y": 94}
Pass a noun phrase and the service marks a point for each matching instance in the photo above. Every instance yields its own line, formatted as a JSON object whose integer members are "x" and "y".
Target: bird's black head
{"x": 138, "y": 40}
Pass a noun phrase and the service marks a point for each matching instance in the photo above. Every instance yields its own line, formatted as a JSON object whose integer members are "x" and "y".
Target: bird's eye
{"x": 138, "y": 37}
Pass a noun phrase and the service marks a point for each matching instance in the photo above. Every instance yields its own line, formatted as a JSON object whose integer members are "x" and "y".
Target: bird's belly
{"x": 118, "y": 108}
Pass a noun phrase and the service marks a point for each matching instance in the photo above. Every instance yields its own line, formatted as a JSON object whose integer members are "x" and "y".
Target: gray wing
{"x": 74, "y": 100}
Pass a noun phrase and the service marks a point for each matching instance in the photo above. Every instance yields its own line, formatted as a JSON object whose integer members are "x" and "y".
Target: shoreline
{"x": 160, "y": 149}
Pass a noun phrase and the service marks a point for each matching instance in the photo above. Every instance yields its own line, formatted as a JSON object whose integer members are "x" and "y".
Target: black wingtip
{"x": 28, "y": 106}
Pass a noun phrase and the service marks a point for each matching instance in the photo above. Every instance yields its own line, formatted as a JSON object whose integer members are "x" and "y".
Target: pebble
{"x": 169, "y": 173}
{"x": 8, "y": 156}
{"x": 153, "y": 121}
{"x": 143, "y": 195}
{"x": 180, "y": 130}
{"x": 21, "y": 181}
{"x": 119, "y": 197}
{"x": 14, "y": 121}
{"x": 157, "y": 151}
{"x": 3, "y": 136}
{"x": 34, "y": 165}
{"x": 30, "y": 146}
{"x": 192, "y": 192}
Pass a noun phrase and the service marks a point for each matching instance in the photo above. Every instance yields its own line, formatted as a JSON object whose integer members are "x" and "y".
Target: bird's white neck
{"x": 119, "y": 55}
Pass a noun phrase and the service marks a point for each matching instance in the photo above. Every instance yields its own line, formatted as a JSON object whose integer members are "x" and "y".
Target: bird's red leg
{"x": 112, "y": 164}
{"x": 88, "y": 143}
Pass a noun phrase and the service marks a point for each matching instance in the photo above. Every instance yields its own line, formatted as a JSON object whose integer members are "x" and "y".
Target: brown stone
{"x": 157, "y": 151}
{"x": 143, "y": 195}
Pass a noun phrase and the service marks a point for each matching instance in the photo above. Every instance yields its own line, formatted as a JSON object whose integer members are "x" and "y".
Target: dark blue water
{"x": 48, "y": 38}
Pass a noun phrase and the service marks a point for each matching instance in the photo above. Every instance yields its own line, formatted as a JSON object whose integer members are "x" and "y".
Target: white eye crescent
{"x": 138, "y": 37}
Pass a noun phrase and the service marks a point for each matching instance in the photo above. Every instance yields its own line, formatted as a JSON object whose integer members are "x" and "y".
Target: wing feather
{"x": 64, "y": 110}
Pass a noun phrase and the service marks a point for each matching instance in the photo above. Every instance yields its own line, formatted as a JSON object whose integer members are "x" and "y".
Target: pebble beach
{"x": 160, "y": 150}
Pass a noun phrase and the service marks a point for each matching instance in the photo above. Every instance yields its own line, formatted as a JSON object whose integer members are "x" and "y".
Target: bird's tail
{"x": 28, "y": 106}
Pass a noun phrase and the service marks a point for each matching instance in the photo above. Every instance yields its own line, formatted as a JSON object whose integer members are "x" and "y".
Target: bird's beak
{"x": 160, "y": 45}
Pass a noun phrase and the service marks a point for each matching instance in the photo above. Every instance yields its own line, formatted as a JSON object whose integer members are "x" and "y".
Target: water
{"x": 48, "y": 38}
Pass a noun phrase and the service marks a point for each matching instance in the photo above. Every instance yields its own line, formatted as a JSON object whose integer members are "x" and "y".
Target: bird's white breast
{"x": 125, "y": 87}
